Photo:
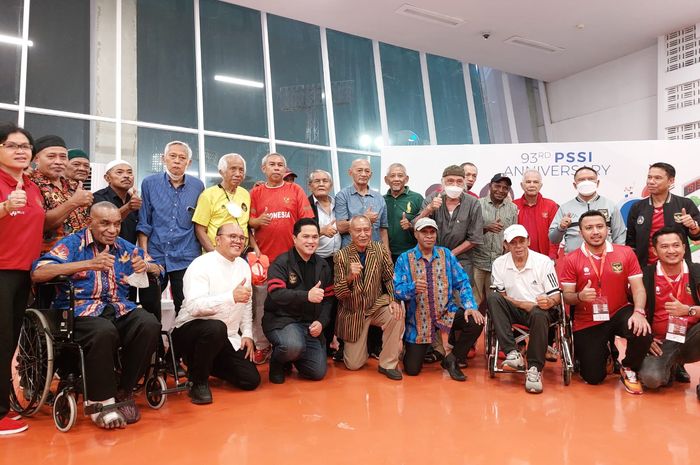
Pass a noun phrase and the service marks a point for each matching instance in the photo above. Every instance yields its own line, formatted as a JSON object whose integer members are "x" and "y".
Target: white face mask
{"x": 586, "y": 187}
{"x": 172, "y": 176}
{"x": 453, "y": 192}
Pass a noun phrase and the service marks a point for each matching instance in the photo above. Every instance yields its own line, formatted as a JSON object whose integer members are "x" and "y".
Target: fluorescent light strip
{"x": 14, "y": 40}
{"x": 238, "y": 81}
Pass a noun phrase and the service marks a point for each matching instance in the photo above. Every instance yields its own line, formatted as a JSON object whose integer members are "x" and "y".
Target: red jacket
{"x": 537, "y": 218}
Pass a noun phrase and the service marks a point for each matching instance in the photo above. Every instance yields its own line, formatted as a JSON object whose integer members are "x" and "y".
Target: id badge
{"x": 600, "y": 309}
{"x": 677, "y": 328}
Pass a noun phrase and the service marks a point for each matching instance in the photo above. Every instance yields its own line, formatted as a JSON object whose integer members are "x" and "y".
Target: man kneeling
{"x": 217, "y": 304}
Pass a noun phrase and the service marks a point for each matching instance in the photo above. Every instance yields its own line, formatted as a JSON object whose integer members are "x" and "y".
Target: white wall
{"x": 613, "y": 101}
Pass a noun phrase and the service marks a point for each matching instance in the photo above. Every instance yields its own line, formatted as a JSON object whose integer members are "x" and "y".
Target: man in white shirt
{"x": 217, "y": 305}
{"x": 527, "y": 290}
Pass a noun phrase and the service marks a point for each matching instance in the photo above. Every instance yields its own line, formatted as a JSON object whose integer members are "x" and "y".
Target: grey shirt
{"x": 492, "y": 248}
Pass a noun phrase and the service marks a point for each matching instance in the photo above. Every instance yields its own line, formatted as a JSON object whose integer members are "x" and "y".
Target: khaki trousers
{"x": 355, "y": 353}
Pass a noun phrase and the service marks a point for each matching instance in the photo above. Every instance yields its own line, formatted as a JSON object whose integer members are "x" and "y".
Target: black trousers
{"x": 150, "y": 297}
{"x": 463, "y": 334}
{"x": 206, "y": 349}
{"x": 14, "y": 292}
{"x": 591, "y": 346}
{"x": 504, "y": 314}
{"x": 136, "y": 333}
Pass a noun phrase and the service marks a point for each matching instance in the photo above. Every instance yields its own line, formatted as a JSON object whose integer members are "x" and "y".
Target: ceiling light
{"x": 14, "y": 40}
{"x": 533, "y": 44}
{"x": 238, "y": 81}
{"x": 427, "y": 15}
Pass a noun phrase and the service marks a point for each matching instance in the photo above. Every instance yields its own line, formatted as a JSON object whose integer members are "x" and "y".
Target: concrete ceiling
{"x": 611, "y": 28}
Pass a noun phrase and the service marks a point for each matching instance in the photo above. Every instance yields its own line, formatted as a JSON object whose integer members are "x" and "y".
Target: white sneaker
{"x": 533, "y": 381}
{"x": 513, "y": 361}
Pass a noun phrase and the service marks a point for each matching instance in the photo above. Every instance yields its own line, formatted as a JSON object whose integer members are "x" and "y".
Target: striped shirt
{"x": 361, "y": 298}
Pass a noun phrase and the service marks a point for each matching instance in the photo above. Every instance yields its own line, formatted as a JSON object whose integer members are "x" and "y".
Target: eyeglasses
{"x": 12, "y": 147}
{"x": 234, "y": 237}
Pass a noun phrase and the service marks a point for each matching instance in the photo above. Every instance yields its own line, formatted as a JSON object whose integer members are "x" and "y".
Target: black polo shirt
{"x": 128, "y": 230}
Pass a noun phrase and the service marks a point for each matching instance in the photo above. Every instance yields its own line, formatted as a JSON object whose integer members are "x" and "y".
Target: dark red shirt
{"x": 21, "y": 230}
{"x": 657, "y": 222}
{"x": 679, "y": 287}
{"x": 536, "y": 219}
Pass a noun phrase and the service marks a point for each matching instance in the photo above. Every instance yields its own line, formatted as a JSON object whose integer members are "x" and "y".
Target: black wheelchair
{"x": 47, "y": 337}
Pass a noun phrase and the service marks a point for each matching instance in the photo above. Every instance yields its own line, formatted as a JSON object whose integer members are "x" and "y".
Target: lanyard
{"x": 675, "y": 287}
{"x": 598, "y": 272}
{"x": 225, "y": 193}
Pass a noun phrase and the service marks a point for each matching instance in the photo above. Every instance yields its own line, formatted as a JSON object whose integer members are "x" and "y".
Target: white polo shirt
{"x": 536, "y": 278}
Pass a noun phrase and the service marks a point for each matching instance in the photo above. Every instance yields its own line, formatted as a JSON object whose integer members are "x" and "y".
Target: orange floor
{"x": 363, "y": 417}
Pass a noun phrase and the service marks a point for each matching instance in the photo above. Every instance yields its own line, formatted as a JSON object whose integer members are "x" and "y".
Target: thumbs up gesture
{"x": 405, "y": 224}
{"x": 316, "y": 294}
{"x": 242, "y": 292}
{"x": 17, "y": 198}
{"x": 686, "y": 220}
{"x": 265, "y": 218}
{"x": 135, "y": 201}
{"x": 103, "y": 261}
{"x": 587, "y": 294}
{"x": 371, "y": 214}
{"x": 137, "y": 262}
{"x": 676, "y": 308}
{"x": 81, "y": 197}
{"x": 330, "y": 229}
{"x": 565, "y": 221}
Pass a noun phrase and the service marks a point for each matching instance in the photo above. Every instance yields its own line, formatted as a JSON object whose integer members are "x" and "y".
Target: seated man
{"x": 672, "y": 308}
{"x": 527, "y": 291}
{"x": 595, "y": 279}
{"x": 99, "y": 264}
{"x": 364, "y": 286}
{"x": 298, "y": 306}
{"x": 427, "y": 276}
{"x": 217, "y": 304}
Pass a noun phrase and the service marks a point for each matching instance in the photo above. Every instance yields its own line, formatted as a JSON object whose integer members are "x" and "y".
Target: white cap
{"x": 114, "y": 163}
{"x": 424, "y": 223}
{"x": 513, "y": 231}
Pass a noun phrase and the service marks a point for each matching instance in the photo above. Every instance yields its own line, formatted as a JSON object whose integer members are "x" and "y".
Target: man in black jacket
{"x": 672, "y": 309}
{"x": 298, "y": 306}
{"x": 660, "y": 209}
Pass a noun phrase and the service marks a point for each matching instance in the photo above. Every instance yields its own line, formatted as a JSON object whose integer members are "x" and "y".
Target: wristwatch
{"x": 692, "y": 311}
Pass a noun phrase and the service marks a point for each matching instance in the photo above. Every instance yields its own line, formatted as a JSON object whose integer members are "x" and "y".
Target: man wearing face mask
{"x": 565, "y": 224}
{"x": 226, "y": 202}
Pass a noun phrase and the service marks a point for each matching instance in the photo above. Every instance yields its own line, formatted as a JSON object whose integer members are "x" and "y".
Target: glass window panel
{"x": 10, "y": 55}
{"x": 252, "y": 152}
{"x": 75, "y": 132}
{"x": 303, "y": 161}
{"x": 58, "y": 67}
{"x": 403, "y": 94}
{"x": 297, "y": 81}
{"x": 479, "y": 107}
{"x": 354, "y": 86}
{"x": 143, "y": 148}
{"x": 9, "y": 116}
{"x": 525, "y": 108}
{"x": 495, "y": 104}
{"x": 159, "y": 64}
{"x": 232, "y": 106}
{"x": 345, "y": 159}
{"x": 449, "y": 100}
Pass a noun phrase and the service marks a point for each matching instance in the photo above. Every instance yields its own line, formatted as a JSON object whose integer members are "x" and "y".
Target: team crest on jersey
{"x": 408, "y": 208}
{"x": 677, "y": 217}
{"x": 586, "y": 270}
{"x": 658, "y": 290}
{"x": 293, "y": 278}
{"x": 617, "y": 267}
{"x": 244, "y": 207}
{"x": 605, "y": 213}
{"x": 545, "y": 215}
{"x": 287, "y": 200}
{"x": 640, "y": 220}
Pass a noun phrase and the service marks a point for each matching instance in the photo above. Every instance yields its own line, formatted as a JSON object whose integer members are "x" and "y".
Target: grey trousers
{"x": 657, "y": 371}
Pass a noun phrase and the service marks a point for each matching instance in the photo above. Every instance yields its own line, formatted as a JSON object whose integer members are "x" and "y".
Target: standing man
{"x": 227, "y": 202}
{"x": 403, "y": 205}
{"x": 527, "y": 292}
{"x": 165, "y": 230}
{"x": 298, "y": 306}
{"x": 427, "y": 278}
{"x": 364, "y": 286}
{"x": 359, "y": 199}
{"x": 498, "y": 213}
{"x": 595, "y": 279}
{"x": 78, "y": 168}
{"x": 217, "y": 305}
{"x": 276, "y": 206}
{"x": 470, "y": 174}
{"x": 565, "y": 224}
{"x": 535, "y": 213}
{"x": 65, "y": 201}
{"x": 660, "y": 209}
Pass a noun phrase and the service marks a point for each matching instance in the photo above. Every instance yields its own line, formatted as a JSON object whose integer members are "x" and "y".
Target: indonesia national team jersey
{"x": 620, "y": 265}
{"x": 678, "y": 286}
{"x": 285, "y": 204}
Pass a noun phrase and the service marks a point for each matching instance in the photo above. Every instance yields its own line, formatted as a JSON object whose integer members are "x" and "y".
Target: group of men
{"x": 415, "y": 268}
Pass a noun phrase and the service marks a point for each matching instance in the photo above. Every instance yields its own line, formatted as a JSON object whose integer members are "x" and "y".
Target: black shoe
{"x": 277, "y": 372}
{"x": 338, "y": 355}
{"x": 681, "y": 375}
{"x": 391, "y": 373}
{"x": 450, "y": 364}
{"x": 200, "y": 393}
{"x": 432, "y": 356}
{"x": 462, "y": 363}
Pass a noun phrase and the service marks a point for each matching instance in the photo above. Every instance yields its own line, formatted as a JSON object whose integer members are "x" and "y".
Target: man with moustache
{"x": 402, "y": 205}
{"x": 78, "y": 168}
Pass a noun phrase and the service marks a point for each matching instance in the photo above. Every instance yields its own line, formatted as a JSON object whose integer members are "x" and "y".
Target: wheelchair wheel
{"x": 65, "y": 411}
{"x": 155, "y": 398}
{"x": 32, "y": 365}
{"x": 566, "y": 374}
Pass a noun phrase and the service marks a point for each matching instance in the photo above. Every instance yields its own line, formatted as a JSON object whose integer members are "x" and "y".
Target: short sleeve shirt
{"x": 349, "y": 203}
{"x": 211, "y": 211}
{"x": 536, "y": 278}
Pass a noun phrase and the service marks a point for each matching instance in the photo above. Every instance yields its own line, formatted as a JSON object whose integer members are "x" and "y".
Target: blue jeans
{"x": 293, "y": 343}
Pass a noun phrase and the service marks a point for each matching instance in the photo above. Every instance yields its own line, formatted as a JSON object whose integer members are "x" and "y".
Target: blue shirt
{"x": 166, "y": 218}
{"x": 434, "y": 309}
{"x": 93, "y": 289}
{"x": 349, "y": 203}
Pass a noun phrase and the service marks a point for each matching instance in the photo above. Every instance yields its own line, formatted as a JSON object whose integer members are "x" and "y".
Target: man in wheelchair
{"x": 527, "y": 291}
{"x": 100, "y": 266}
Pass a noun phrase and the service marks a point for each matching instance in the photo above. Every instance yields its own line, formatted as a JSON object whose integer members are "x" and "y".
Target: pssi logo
{"x": 573, "y": 157}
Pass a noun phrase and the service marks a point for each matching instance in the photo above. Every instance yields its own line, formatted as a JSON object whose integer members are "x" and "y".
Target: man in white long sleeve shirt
{"x": 217, "y": 305}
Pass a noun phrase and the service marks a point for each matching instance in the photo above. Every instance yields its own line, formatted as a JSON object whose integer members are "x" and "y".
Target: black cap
{"x": 498, "y": 177}
{"x": 47, "y": 141}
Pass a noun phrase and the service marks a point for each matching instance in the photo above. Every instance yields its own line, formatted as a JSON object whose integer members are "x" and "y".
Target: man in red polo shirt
{"x": 535, "y": 213}
{"x": 672, "y": 307}
{"x": 594, "y": 279}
